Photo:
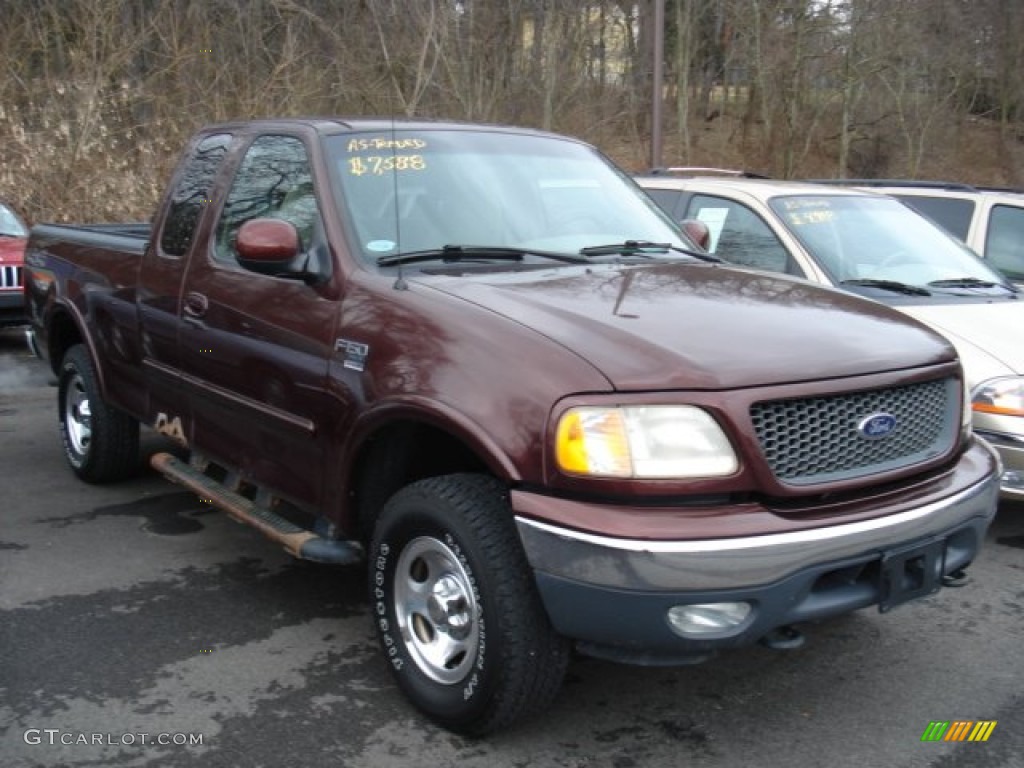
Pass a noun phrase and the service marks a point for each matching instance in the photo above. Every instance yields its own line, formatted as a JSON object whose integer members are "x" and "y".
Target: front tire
{"x": 456, "y": 608}
{"x": 101, "y": 443}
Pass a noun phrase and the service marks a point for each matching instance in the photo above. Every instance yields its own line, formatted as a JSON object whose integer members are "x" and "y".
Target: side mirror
{"x": 698, "y": 232}
{"x": 268, "y": 246}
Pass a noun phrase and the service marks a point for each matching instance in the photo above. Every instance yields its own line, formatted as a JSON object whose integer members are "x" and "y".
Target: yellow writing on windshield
{"x": 796, "y": 203}
{"x": 799, "y": 218}
{"x": 380, "y": 142}
{"x": 378, "y": 165}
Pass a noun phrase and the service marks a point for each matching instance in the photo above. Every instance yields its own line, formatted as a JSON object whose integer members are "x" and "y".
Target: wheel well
{"x": 62, "y": 335}
{"x": 400, "y": 454}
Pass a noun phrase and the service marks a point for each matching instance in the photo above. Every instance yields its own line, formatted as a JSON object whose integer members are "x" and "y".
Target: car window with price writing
{"x": 414, "y": 190}
{"x": 878, "y": 238}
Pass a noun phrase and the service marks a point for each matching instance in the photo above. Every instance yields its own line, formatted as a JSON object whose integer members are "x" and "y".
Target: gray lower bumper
{"x": 615, "y": 596}
{"x": 740, "y": 562}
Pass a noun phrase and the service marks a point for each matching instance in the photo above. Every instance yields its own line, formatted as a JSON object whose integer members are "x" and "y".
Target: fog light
{"x": 707, "y": 618}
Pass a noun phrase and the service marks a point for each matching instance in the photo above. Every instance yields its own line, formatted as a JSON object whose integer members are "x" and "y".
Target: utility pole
{"x": 657, "y": 78}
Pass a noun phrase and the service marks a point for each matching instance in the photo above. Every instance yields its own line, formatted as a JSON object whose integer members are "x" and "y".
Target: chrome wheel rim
{"x": 436, "y": 610}
{"x": 78, "y": 415}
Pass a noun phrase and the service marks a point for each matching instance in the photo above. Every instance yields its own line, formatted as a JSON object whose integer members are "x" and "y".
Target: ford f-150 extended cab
{"x": 480, "y": 360}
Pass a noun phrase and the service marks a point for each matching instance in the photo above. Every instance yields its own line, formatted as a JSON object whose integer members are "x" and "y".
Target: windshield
{"x": 419, "y": 190}
{"x": 10, "y": 224}
{"x": 877, "y": 238}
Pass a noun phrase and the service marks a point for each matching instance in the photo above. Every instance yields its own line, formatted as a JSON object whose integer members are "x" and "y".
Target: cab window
{"x": 1004, "y": 244}
{"x": 952, "y": 214}
{"x": 191, "y": 194}
{"x": 740, "y": 236}
{"x": 273, "y": 181}
{"x": 667, "y": 199}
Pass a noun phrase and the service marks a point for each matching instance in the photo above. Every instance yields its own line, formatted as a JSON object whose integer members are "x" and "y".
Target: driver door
{"x": 255, "y": 348}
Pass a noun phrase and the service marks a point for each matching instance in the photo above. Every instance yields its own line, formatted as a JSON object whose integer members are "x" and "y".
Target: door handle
{"x": 195, "y": 304}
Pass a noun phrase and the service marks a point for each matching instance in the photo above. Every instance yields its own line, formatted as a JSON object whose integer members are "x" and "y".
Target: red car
{"x": 13, "y": 237}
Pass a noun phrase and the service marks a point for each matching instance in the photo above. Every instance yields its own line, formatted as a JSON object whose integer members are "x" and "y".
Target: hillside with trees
{"x": 98, "y": 96}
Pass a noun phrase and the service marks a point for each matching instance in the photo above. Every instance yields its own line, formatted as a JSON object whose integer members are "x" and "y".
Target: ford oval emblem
{"x": 877, "y": 426}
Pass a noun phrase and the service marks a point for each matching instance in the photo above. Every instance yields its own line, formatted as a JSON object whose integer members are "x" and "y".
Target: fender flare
{"x": 61, "y": 306}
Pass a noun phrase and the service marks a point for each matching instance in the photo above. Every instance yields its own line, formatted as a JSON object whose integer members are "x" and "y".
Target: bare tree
{"x": 97, "y": 96}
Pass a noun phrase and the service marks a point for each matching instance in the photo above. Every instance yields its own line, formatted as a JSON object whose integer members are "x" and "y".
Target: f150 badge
{"x": 877, "y": 425}
{"x": 354, "y": 354}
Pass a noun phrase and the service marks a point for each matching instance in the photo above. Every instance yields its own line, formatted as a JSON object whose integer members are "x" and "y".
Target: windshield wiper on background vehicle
{"x": 973, "y": 282}
{"x": 889, "y": 285}
{"x": 643, "y": 248}
{"x": 454, "y": 253}
{"x": 964, "y": 282}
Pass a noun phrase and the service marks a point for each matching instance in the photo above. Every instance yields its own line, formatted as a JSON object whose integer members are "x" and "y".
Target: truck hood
{"x": 687, "y": 326}
{"x": 988, "y": 336}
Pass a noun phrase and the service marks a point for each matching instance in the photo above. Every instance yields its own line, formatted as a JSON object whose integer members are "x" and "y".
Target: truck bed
{"x": 129, "y": 238}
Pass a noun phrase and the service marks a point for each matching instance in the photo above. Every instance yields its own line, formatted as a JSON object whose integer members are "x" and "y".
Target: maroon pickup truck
{"x": 480, "y": 361}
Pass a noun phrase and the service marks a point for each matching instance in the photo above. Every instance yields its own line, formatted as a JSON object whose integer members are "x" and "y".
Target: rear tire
{"x": 101, "y": 443}
{"x": 456, "y": 608}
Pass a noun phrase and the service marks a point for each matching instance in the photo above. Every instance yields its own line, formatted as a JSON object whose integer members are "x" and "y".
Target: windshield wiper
{"x": 889, "y": 285}
{"x": 643, "y": 248}
{"x": 453, "y": 253}
{"x": 964, "y": 282}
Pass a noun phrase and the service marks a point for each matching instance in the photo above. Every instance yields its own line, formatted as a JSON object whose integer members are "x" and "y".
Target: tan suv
{"x": 988, "y": 219}
{"x": 873, "y": 245}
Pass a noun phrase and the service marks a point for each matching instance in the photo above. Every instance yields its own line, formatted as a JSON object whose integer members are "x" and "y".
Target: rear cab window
{"x": 191, "y": 193}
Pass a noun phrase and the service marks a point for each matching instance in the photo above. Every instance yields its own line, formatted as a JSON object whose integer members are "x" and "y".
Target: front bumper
{"x": 613, "y": 594}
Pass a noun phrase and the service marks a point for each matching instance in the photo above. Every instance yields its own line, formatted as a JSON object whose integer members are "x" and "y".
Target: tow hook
{"x": 785, "y": 638}
{"x": 957, "y": 578}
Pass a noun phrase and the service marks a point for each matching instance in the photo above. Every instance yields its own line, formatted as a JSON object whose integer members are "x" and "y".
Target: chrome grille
{"x": 10, "y": 277}
{"x": 816, "y": 439}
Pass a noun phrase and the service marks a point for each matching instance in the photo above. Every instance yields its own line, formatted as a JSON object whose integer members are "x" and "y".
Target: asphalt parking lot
{"x": 134, "y": 609}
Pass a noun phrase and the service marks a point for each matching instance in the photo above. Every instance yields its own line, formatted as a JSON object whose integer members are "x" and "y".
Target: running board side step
{"x": 300, "y": 542}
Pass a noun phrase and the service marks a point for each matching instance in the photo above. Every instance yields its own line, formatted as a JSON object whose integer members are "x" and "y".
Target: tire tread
{"x": 114, "y": 450}
{"x": 534, "y": 656}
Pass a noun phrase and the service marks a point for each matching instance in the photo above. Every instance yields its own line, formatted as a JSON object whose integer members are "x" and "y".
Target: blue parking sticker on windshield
{"x": 380, "y": 246}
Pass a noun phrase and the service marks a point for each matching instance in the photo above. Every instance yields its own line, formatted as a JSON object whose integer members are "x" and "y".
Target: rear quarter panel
{"x": 81, "y": 287}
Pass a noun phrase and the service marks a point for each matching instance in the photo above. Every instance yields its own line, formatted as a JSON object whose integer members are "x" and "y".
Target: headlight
{"x": 654, "y": 441}
{"x": 1003, "y": 396}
